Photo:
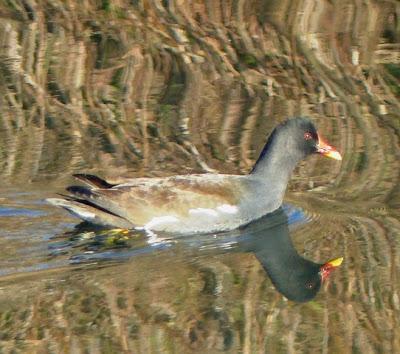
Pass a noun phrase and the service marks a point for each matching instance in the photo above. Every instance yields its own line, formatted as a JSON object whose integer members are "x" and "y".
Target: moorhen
{"x": 199, "y": 203}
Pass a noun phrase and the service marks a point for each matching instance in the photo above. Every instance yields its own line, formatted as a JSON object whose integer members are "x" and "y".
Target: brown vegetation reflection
{"x": 159, "y": 87}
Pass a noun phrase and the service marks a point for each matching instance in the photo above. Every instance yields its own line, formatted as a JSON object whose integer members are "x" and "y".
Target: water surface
{"x": 159, "y": 88}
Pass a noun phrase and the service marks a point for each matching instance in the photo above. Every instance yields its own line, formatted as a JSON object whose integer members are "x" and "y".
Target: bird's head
{"x": 301, "y": 135}
{"x": 301, "y": 284}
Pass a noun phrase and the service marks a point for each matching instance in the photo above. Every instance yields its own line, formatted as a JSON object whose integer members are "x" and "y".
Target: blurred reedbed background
{"x": 154, "y": 88}
{"x": 156, "y": 85}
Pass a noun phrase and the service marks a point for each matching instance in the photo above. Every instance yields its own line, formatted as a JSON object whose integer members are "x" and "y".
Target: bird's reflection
{"x": 295, "y": 277}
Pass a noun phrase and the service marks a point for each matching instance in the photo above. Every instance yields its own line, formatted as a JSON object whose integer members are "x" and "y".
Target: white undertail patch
{"x": 86, "y": 215}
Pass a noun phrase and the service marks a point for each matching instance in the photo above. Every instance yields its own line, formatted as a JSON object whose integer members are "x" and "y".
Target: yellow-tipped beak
{"x": 327, "y": 268}
{"x": 335, "y": 262}
{"x": 327, "y": 150}
{"x": 333, "y": 155}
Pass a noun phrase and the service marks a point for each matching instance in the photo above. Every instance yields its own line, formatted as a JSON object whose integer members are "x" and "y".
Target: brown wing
{"x": 146, "y": 198}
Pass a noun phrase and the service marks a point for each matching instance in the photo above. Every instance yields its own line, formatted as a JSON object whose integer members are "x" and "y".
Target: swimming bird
{"x": 199, "y": 203}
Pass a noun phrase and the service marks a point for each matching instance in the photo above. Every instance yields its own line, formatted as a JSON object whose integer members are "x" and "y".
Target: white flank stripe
{"x": 159, "y": 221}
{"x": 228, "y": 209}
{"x": 203, "y": 211}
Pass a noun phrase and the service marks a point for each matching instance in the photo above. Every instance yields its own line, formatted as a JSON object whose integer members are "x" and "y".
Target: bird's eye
{"x": 309, "y": 285}
{"x": 307, "y": 136}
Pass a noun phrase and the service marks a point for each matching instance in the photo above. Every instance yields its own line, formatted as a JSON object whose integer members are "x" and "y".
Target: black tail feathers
{"x": 93, "y": 180}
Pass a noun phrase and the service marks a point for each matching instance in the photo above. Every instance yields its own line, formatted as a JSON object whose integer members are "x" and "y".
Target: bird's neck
{"x": 276, "y": 251}
{"x": 279, "y": 258}
{"x": 277, "y": 159}
{"x": 274, "y": 167}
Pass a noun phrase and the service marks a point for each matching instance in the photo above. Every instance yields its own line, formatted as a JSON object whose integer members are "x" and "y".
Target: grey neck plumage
{"x": 276, "y": 163}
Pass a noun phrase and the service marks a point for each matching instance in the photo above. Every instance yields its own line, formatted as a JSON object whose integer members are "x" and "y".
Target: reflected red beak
{"x": 327, "y": 150}
{"x": 327, "y": 268}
